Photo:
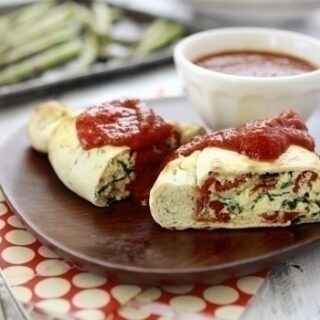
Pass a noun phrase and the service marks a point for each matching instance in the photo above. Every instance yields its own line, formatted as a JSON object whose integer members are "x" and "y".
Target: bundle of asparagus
{"x": 46, "y": 35}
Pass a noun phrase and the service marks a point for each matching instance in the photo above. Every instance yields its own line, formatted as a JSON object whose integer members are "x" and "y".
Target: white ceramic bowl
{"x": 225, "y": 100}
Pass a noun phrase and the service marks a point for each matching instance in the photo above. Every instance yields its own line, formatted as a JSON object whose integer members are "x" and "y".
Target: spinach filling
{"x": 126, "y": 171}
{"x": 111, "y": 183}
{"x": 271, "y": 197}
{"x": 291, "y": 203}
{"x": 287, "y": 183}
{"x": 125, "y": 167}
{"x": 231, "y": 205}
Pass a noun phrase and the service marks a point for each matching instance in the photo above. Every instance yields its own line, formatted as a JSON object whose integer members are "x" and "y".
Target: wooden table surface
{"x": 292, "y": 289}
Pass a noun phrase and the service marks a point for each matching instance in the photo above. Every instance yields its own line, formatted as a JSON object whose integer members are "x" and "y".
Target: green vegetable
{"x": 116, "y": 14}
{"x": 89, "y": 53}
{"x": 103, "y": 189}
{"x": 41, "y": 62}
{"x": 32, "y": 13}
{"x": 286, "y": 184}
{"x": 84, "y": 16}
{"x": 42, "y": 36}
{"x": 125, "y": 167}
{"x": 103, "y": 20}
{"x": 234, "y": 208}
{"x": 159, "y": 34}
{"x": 49, "y": 23}
{"x": 26, "y": 15}
{"x": 38, "y": 45}
{"x": 110, "y": 184}
{"x": 292, "y": 204}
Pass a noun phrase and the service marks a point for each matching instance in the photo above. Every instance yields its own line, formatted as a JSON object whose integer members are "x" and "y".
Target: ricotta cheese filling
{"x": 118, "y": 174}
{"x": 280, "y": 197}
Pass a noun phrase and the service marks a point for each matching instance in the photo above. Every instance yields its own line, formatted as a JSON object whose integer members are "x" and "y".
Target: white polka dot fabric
{"x": 48, "y": 284}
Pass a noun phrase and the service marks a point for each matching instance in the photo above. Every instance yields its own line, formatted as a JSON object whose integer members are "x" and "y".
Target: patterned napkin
{"x": 48, "y": 285}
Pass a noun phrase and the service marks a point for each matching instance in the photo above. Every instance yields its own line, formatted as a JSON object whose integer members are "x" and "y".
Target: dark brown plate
{"x": 123, "y": 240}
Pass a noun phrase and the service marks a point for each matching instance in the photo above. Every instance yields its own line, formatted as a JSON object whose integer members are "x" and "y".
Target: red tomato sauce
{"x": 263, "y": 140}
{"x": 129, "y": 122}
{"x": 255, "y": 64}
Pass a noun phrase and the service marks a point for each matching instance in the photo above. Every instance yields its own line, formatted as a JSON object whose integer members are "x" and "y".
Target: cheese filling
{"x": 275, "y": 198}
{"x": 118, "y": 174}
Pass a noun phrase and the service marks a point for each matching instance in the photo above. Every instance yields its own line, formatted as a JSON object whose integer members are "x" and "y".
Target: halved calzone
{"x": 264, "y": 174}
{"x": 109, "y": 152}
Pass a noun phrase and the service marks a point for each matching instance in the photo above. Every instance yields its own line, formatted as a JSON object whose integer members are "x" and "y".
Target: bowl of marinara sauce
{"x": 236, "y": 75}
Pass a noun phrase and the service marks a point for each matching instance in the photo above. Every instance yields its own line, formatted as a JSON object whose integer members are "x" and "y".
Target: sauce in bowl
{"x": 255, "y": 64}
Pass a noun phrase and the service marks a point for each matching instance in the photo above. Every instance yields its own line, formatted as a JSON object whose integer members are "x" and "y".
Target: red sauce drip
{"x": 255, "y": 64}
{"x": 129, "y": 122}
{"x": 263, "y": 140}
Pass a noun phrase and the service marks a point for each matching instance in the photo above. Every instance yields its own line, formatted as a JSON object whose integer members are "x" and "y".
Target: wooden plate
{"x": 123, "y": 240}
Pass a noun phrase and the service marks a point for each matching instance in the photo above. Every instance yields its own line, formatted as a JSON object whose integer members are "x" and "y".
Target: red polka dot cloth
{"x": 48, "y": 285}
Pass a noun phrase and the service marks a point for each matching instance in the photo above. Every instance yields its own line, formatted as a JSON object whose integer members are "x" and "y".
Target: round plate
{"x": 123, "y": 240}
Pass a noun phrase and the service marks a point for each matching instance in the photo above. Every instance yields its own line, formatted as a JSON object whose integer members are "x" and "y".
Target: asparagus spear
{"x": 102, "y": 16}
{"x": 56, "y": 16}
{"x": 20, "y": 40}
{"x": 31, "y": 13}
{"x": 116, "y": 14}
{"x": 38, "y": 45}
{"x": 41, "y": 62}
{"x": 4, "y": 25}
{"x": 159, "y": 34}
{"x": 89, "y": 53}
{"x": 84, "y": 16}
{"x": 24, "y": 15}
